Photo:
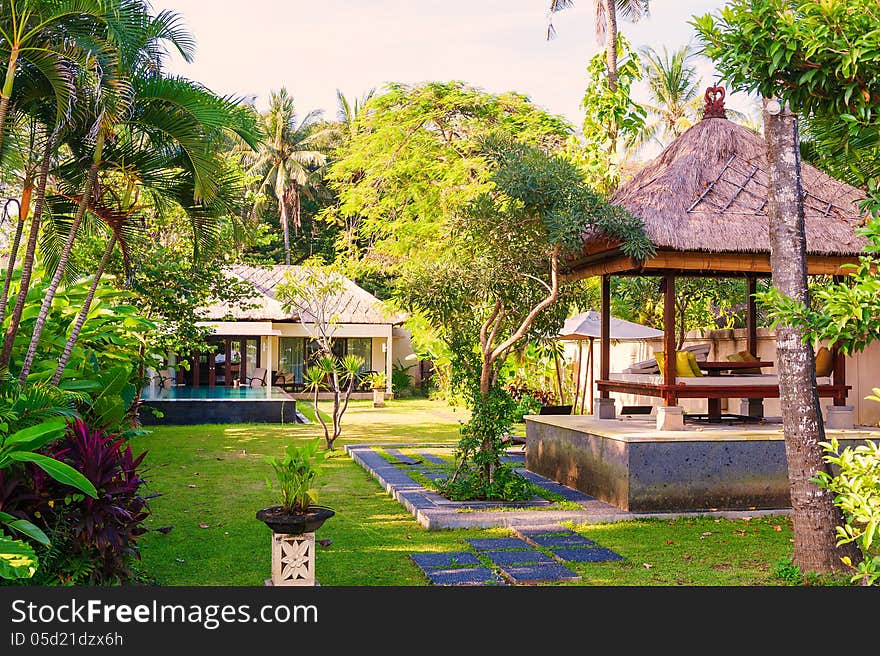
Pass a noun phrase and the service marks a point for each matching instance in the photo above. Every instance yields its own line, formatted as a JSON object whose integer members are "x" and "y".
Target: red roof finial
{"x": 714, "y": 103}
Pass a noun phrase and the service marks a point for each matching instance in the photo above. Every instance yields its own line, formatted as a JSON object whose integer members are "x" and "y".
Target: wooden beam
{"x": 752, "y": 318}
{"x": 696, "y": 263}
{"x": 742, "y": 263}
{"x": 601, "y": 267}
{"x": 669, "y": 344}
{"x": 605, "y": 331}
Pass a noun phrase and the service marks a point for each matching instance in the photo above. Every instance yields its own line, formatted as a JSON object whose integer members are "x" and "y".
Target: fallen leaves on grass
{"x": 647, "y": 565}
{"x": 203, "y": 525}
{"x": 777, "y": 527}
{"x": 669, "y": 542}
{"x": 704, "y": 535}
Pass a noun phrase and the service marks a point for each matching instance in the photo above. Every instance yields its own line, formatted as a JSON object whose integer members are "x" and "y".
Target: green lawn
{"x": 212, "y": 479}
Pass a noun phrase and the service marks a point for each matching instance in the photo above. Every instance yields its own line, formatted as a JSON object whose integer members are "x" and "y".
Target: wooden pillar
{"x": 227, "y": 363}
{"x": 838, "y": 375}
{"x": 242, "y": 360}
{"x": 755, "y": 405}
{"x": 197, "y": 357}
{"x": 669, "y": 345}
{"x": 605, "y": 333}
{"x": 752, "y": 318}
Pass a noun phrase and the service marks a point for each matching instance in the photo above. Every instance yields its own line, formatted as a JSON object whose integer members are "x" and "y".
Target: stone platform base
{"x": 629, "y": 464}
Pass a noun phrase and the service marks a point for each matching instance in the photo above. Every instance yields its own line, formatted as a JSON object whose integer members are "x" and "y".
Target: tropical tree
{"x": 176, "y": 118}
{"x": 317, "y": 294}
{"x": 499, "y": 280}
{"x": 606, "y": 26}
{"x": 47, "y": 38}
{"x": 288, "y": 164}
{"x": 348, "y": 111}
{"x": 822, "y": 58}
{"x": 674, "y": 92}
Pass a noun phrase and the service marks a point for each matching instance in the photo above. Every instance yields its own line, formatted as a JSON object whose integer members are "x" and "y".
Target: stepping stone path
{"x": 401, "y": 458}
{"x": 516, "y": 558}
{"x": 456, "y": 568}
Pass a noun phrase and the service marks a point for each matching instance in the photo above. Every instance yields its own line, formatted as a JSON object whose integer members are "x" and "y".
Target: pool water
{"x": 189, "y": 393}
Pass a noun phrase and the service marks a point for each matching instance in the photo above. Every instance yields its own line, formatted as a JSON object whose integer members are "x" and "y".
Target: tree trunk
{"x": 27, "y": 266}
{"x": 813, "y": 512}
{"x": 611, "y": 42}
{"x": 49, "y": 294}
{"x": 6, "y": 94}
{"x": 84, "y": 311}
{"x": 285, "y": 228}
{"x": 23, "y": 208}
{"x": 611, "y": 62}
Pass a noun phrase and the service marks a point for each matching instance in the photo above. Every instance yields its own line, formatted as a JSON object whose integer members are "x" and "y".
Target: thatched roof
{"x": 356, "y": 305}
{"x": 707, "y": 191}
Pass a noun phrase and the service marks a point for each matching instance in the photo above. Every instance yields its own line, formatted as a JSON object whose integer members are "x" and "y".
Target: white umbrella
{"x": 588, "y": 326}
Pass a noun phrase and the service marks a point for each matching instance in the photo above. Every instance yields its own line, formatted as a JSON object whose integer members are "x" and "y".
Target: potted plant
{"x": 296, "y": 519}
{"x": 379, "y": 383}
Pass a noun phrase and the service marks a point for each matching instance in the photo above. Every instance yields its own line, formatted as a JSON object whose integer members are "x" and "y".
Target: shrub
{"x": 103, "y": 530}
{"x": 526, "y": 405}
{"x": 401, "y": 380}
{"x": 296, "y": 472}
{"x": 857, "y": 493}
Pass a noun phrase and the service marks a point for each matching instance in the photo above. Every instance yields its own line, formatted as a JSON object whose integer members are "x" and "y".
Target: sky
{"x": 249, "y": 47}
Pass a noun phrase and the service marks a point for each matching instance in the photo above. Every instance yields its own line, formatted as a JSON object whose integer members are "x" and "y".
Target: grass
{"x": 212, "y": 480}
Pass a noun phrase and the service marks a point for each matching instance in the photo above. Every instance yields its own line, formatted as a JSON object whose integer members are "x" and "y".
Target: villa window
{"x": 297, "y": 353}
{"x": 363, "y": 348}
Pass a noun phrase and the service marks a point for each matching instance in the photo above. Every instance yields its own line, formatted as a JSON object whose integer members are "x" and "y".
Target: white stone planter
{"x": 379, "y": 397}
{"x": 293, "y": 560}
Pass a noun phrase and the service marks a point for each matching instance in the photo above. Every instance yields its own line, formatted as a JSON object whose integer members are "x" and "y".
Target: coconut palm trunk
{"x": 611, "y": 42}
{"x": 84, "y": 311}
{"x": 27, "y": 266}
{"x": 23, "y": 208}
{"x": 285, "y": 227}
{"x": 49, "y": 294}
{"x": 814, "y": 515}
{"x": 6, "y": 93}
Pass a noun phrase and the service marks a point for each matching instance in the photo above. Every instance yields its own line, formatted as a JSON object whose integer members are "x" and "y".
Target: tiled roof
{"x": 357, "y": 306}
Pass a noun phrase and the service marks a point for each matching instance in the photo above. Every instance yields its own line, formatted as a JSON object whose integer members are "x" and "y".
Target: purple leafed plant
{"x": 105, "y": 529}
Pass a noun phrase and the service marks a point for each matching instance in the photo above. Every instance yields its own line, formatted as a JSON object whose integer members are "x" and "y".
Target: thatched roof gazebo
{"x": 703, "y": 201}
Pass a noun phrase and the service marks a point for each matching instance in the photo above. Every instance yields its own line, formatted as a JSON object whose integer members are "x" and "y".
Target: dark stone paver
{"x": 552, "y": 541}
{"x": 597, "y": 555}
{"x": 455, "y": 559}
{"x": 517, "y": 557}
{"x": 430, "y": 457}
{"x": 401, "y": 458}
{"x": 491, "y": 544}
{"x": 541, "y": 573}
{"x": 472, "y": 576}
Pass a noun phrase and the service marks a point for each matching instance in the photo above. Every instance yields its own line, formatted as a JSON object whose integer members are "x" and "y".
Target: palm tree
{"x": 288, "y": 163}
{"x": 605, "y": 25}
{"x": 176, "y": 117}
{"x": 347, "y": 111}
{"x": 674, "y": 88}
{"x": 45, "y": 36}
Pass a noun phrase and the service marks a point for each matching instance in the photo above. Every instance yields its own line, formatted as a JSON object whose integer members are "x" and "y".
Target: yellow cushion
{"x": 682, "y": 364}
{"x": 745, "y": 356}
{"x": 734, "y": 357}
{"x": 824, "y": 362}
{"x": 692, "y": 360}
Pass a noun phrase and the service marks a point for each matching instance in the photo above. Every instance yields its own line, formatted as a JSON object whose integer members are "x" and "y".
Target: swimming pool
{"x": 221, "y": 393}
{"x": 186, "y": 405}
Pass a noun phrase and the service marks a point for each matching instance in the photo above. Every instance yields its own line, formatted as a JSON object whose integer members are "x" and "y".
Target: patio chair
{"x": 258, "y": 379}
